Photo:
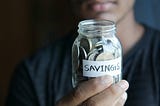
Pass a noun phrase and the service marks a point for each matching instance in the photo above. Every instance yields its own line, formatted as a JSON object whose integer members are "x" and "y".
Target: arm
{"x": 21, "y": 90}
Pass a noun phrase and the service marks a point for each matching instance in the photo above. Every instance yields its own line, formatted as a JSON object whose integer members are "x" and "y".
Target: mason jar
{"x": 96, "y": 51}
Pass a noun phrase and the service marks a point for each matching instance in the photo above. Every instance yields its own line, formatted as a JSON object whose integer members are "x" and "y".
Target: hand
{"x": 97, "y": 92}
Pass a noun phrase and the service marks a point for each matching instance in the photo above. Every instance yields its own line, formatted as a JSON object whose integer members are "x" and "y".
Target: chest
{"x": 144, "y": 84}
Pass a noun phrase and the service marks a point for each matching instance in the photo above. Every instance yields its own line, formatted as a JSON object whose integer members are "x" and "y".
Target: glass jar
{"x": 96, "y": 51}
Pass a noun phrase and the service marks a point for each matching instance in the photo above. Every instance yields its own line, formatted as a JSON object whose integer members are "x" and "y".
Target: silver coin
{"x": 100, "y": 43}
{"x": 86, "y": 44}
{"x": 104, "y": 56}
{"x": 82, "y": 54}
{"x": 75, "y": 56}
{"x": 94, "y": 42}
{"x": 75, "y": 51}
{"x": 100, "y": 48}
{"x": 92, "y": 56}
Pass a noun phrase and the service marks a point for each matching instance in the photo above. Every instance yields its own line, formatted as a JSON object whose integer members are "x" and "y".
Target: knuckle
{"x": 116, "y": 90}
{"x": 113, "y": 90}
{"x": 95, "y": 85}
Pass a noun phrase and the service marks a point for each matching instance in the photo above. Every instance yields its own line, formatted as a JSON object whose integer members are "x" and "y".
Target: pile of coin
{"x": 93, "y": 49}
{"x": 98, "y": 49}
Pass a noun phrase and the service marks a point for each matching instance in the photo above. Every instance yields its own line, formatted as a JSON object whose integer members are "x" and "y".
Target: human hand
{"x": 97, "y": 92}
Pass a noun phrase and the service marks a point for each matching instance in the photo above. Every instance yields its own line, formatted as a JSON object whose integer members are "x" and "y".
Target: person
{"x": 45, "y": 78}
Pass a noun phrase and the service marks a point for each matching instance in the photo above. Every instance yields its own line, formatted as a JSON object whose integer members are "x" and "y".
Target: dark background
{"x": 26, "y": 25}
{"x": 148, "y": 12}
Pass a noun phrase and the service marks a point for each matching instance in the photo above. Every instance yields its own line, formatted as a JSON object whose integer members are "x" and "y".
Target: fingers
{"x": 118, "y": 89}
{"x": 121, "y": 101}
{"x": 110, "y": 96}
{"x": 86, "y": 90}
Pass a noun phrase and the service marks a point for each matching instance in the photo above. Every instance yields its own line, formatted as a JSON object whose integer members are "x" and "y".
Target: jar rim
{"x": 94, "y": 23}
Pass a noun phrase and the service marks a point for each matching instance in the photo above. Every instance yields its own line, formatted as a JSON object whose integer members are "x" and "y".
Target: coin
{"x": 100, "y": 48}
{"x": 100, "y": 43}
{"x": 104, "y": 56}
{"x": 82, "y": 54}
{"x": 94, "y": 41}
{"x": 75, "y": 56}
{"x": 92, "y": 56}
{"x": 75, "y": 51}
{"x": 86, "y": 44}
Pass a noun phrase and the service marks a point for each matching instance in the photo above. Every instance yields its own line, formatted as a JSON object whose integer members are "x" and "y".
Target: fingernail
{"x": 123, "y": 84}
{"x": 106, "y": 79}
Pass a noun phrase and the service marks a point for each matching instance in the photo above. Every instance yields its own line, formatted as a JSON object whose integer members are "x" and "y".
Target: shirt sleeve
{"x": 21, "y": 90}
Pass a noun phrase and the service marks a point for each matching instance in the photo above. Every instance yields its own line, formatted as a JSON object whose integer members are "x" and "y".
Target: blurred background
{"x": 26, "y": 25}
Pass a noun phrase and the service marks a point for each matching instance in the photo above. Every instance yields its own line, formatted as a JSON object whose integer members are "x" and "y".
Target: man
{"x": 45, "y": 78}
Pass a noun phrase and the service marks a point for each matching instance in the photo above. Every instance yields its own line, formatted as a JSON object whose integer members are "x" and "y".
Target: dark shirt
{"x": 45, "y": 77}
